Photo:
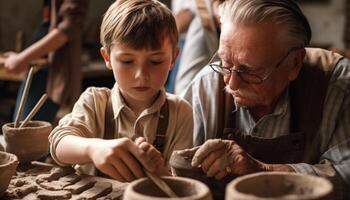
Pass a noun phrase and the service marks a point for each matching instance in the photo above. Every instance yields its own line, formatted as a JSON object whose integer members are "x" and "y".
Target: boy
{"x": 139, "y": 40}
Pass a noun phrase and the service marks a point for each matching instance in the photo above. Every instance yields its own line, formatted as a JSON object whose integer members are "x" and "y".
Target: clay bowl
{"x": 28, "y": 143}
{"x": 8, "y": 165}
{"x": 181, "y": 166}
{"x": 279, "y": 185}
{"x": 185, "y": 188}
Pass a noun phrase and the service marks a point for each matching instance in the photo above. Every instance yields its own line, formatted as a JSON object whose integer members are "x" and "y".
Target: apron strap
{"x": 109, "y": 121}
{"x": 159, "y": 141}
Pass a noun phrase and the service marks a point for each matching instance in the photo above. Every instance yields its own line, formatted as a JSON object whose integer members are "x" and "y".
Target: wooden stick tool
{"x": 24, "y": 97}
{"x": 34, "y": 110}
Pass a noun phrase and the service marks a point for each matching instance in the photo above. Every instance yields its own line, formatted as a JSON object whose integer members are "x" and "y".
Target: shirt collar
{"x": 118, "y": 102}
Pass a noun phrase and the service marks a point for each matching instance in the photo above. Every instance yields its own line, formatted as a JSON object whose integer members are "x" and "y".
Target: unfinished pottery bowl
{"x": 28, "y": 143}
{"x": 279, "y": 185}
{"x": 181, "y": 166}
{"x": 185, "y": 188}
{"x": 8, "y": 165}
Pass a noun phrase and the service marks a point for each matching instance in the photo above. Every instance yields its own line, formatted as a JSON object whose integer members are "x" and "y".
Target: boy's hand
{"x": 116, "y": 158}
{"x": 154, "y": 155}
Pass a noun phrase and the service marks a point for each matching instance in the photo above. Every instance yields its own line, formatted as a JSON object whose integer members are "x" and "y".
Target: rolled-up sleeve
{"x": 85, "y": 120}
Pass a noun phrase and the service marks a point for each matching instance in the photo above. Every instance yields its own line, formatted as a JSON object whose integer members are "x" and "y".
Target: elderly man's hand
{"x": 219, "y": 157}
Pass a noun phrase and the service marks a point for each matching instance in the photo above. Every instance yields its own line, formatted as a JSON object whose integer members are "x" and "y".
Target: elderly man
{"x": 286, "y": 108}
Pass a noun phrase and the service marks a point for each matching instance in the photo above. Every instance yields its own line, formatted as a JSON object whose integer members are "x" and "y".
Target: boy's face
{"x": 140, "y": 74}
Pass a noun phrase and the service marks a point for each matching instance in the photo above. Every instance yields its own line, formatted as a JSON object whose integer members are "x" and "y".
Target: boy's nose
{"x": 141, "y": 73}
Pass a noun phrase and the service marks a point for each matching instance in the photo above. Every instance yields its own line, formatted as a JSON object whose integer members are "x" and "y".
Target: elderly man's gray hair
{"x": 285, "y": 12}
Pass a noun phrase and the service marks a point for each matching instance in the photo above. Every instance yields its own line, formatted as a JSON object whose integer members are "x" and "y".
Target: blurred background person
{"x": 58, "y": 39}
{"x": 201, "y": 43}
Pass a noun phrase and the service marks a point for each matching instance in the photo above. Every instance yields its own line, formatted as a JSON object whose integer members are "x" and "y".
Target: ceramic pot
{"x": 279, "y": 185}
{"x": 28, "y": 143}
{"x": 185, "y": 188}
{"x": 8, "y": 165}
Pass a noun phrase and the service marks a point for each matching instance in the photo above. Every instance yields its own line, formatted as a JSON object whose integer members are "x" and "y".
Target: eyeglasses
{"x": 249, "y": 77}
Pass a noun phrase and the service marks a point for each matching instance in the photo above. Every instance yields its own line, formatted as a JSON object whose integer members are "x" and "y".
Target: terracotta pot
{"x": 279, "y": 185}
{"x": 28, "y": 143}
{"x": 185, "y": 188}
{"x": 181, "y": 166}
{"x": 8, "y": 165}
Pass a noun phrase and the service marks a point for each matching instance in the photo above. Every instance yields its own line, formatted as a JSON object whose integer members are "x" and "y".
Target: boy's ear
{"x": 106, "y": 58}
{"x": 176, "y": 54}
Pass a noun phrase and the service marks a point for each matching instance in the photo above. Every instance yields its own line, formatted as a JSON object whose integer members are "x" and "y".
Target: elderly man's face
{"x": 257, "y": 49}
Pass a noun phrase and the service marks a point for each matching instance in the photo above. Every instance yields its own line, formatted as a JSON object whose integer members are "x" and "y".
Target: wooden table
{"x": 42, "y": 181}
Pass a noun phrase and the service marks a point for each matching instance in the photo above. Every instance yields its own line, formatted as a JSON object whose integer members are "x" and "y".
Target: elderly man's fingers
{"x": 212, "y": 157}
{"x": 217, "y": 166}
{"x": 204, "y": 150}
{"x": 221, "y": 175}
{"x": 189, "y": 153}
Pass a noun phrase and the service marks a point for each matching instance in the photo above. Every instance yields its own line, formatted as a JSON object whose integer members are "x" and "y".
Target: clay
{"x": 47, "y": 195}
{"x": 24, "y": 185}
{"x": 185, "y": 188}
{"x": 8, "y": 165}
{"x": 61, "y": 183}
{"x": 80, "y": 186}
{"x": 19, "y": 192}
{"x": 54, "y": 174}
{"x": 279, "y": 185}
{"x": 71, "y": 178}
{"x": 181, "y": 166}
{"x": 28, "y": 143}
{"x": 99, "y": 189}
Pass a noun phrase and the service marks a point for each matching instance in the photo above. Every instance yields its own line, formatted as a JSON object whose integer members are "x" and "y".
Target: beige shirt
{"x": 87, "y": 119}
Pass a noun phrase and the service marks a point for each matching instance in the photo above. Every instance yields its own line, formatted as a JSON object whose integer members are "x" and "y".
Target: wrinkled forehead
{"x": 263, "y": 37}
{"x": 245, "y": 41}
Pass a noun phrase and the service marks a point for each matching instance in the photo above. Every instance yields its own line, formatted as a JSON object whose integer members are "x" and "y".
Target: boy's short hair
{"x": 140, "y": 24}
